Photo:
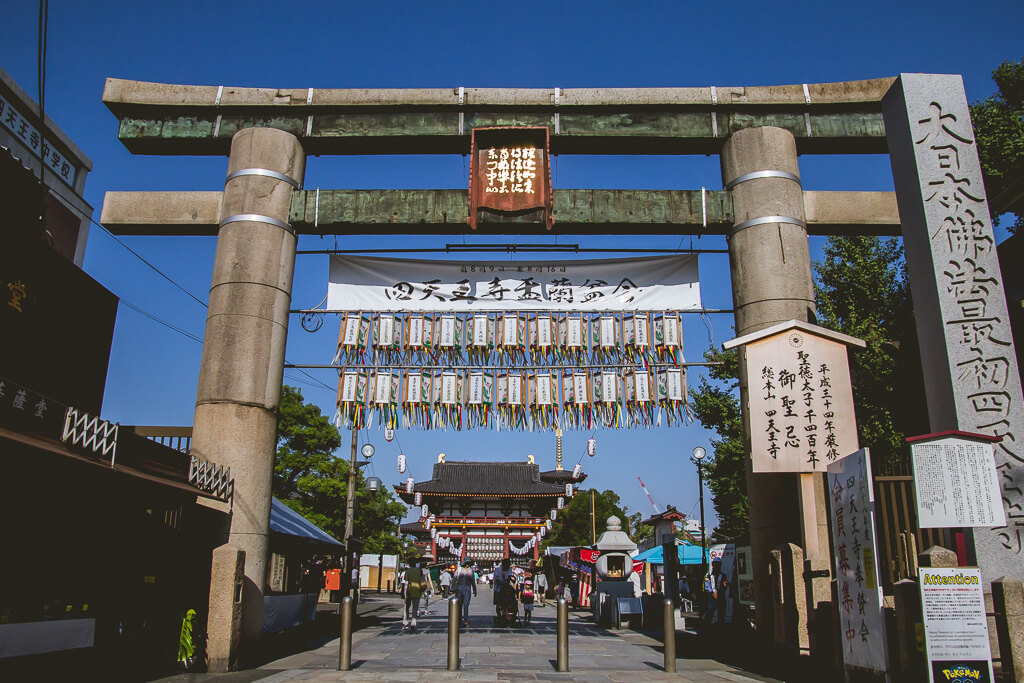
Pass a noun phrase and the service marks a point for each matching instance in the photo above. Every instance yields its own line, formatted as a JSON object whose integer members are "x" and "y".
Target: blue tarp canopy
{"x": 688, "y": 554}
{"x": 286, "y": 521}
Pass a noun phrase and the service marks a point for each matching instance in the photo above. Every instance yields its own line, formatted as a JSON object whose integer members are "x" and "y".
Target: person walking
{"x": 465, "y": 588}
{"x": 526, "y": 598}
{"x": 498, "y": 583}
{"x": 715, "y": 585}
{"x": 413, "y": 588}
{"x": 540, "y": 582}
{"x": 446, "y": 583}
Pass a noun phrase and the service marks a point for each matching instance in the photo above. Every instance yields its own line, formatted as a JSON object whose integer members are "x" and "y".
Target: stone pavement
{"x": 381, "y": 651}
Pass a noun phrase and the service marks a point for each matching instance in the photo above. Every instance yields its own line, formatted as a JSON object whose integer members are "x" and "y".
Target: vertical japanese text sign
{"x": 800, "y": 397}
{"x": 509, "y": 172}
{"x": 852, "y": 513}
{"x": 971, "y": 377}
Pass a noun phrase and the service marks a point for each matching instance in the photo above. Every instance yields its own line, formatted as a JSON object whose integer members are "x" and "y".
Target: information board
{"x": 955, "y": 626}
{"x": 801, "y": 403}
{"x": 852, "y": 513}
{"x": 956, "y": 484}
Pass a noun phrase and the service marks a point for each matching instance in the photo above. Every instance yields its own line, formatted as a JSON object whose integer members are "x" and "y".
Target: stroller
{"x": 508, "y": 607}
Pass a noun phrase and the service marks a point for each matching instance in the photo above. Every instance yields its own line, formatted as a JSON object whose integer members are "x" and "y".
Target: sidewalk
{"x": 381, "y": 651}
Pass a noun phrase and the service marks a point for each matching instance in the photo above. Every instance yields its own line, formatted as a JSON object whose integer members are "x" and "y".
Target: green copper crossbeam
{"x": 825, "y": 118}
{"x": 578, "y": 212}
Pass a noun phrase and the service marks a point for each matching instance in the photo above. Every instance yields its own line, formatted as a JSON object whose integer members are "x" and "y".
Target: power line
{"x": 160, "y": 320}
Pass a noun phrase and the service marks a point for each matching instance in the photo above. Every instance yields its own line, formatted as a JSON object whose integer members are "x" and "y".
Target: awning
{"x": 284, "y": 520}
{"x": 688, "y": 554}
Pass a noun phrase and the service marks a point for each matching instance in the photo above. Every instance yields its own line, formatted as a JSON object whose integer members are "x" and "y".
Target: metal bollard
{"x": 563, "y": 635}
{"x": 454, "y": 614}
{"x": 345, "y": 645}
{"x": 670, "y": 637}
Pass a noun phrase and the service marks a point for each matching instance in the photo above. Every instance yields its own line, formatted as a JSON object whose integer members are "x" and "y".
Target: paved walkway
{"x": 382, "y": 651}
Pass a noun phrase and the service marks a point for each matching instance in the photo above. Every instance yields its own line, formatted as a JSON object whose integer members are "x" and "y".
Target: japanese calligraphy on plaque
{"x": 972, "y": 382}
{"x": 800, "y": 397}
{"x": 509, "y": 173}
{"x": 955, "y": 481}
{"x": 852, "y": 513}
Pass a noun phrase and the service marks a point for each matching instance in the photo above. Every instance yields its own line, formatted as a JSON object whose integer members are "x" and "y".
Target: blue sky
{"x": 153, "y": 370}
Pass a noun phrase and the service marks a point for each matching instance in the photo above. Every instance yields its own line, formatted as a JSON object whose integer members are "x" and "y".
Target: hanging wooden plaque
{"x": 509, "y": 172}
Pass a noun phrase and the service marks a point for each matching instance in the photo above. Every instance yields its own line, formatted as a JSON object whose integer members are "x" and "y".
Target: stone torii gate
{"x": 922, "y": 121}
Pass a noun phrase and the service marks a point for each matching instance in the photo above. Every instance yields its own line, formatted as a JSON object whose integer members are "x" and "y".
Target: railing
{"x": 91, "y": 433}
{"x": 213, "y": 479}
{"x": 178, "y": 438}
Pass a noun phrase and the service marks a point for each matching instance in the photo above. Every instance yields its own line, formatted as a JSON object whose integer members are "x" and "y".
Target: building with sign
{"x": 106, "y": 543}
{"x": 487, "y": 511}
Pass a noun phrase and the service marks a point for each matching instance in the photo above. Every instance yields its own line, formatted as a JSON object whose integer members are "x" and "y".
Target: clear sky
{"x": 153, "y": 370}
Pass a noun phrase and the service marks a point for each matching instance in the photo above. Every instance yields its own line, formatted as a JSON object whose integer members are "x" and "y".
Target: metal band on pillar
{"x": 768, "y": 219}
{"x": 266, "y": 173}
{"x": 754, "y": 175}
{"x": 256, "y": 218}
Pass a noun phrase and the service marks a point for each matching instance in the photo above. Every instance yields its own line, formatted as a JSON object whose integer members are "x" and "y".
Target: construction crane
{"x": 649, "y": 496}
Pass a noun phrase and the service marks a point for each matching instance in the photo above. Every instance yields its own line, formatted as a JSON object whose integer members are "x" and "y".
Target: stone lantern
{"x": 613, "y": 567}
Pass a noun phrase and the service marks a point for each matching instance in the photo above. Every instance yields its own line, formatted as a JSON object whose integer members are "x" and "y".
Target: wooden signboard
{"x": 509, "y": 172}
{"x": 800, "y": 397}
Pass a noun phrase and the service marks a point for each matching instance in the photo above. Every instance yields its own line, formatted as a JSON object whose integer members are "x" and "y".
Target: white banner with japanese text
{"x": 862, "y": 622}
{"x": 367, "y": 283}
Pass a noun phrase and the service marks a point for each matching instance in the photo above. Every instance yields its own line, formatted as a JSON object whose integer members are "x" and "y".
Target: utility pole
{"x": 350, "y": 513}
{"x": 593, "y": 521}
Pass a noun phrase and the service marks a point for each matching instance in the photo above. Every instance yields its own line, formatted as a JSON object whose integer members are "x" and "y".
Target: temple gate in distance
{"x": 939, "y": 207}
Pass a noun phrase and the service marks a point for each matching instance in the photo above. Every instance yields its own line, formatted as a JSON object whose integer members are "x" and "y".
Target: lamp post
{"x": 698, "y": 456}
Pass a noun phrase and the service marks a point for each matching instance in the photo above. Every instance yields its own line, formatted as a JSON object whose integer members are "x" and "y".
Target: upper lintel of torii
{"x": 825, "y": 118}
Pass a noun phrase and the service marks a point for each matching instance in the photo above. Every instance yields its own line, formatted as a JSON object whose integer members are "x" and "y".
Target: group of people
{"x": 511, "y": 586}
{"x": 714, "y": 590}
{"x": 415, "y": 584}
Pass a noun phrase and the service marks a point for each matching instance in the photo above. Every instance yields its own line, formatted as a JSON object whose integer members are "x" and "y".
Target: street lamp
{"x": 698, "y": 456}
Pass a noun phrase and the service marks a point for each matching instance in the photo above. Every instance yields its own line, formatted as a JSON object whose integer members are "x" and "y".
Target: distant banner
{"x": 362, "y": 283}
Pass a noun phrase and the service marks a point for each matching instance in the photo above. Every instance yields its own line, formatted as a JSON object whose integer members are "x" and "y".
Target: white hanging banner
{"x": 369, "y": 283}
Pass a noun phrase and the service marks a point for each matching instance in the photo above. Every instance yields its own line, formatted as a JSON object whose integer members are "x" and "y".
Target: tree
{"x": 999, "y": 133}
{"x": 716, "y": 406}
{"x": 638, "y": 531}
{"x": 573, "y": 524}
{"x": 313, "y": 481}
{"x": 861, "y": 289}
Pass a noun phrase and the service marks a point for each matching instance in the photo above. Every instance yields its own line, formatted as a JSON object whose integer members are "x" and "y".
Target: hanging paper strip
{"x": 352, "y": 409}
{"x": 384, "y": 399}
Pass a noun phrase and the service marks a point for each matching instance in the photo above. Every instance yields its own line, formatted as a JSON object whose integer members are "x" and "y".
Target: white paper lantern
{"x": 561, "y": 502}
{"x": 591, "y": 447}
{"x": 426, "y": 525}
{"x": 419, "y": 497}
{"x": 401, "y": 463}
{"x": 389, "y": 434}
{"x": 547, "y": 524}
{"x": 424, "y": 511}
{"x": 543, "y": 532}
{"x": 568, "y": 490}
{"x": 577, "y": 471}
{"x": 553, "y": 514}
{"x": 408, "y": 485}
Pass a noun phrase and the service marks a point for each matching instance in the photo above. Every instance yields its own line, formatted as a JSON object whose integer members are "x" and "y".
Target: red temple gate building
{"x": 487, "y": 511}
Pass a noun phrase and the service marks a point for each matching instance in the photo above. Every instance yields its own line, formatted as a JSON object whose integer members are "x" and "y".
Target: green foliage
{"x": 312, "y": 479}
{"x": 638, "y": 531}
{"x": 999, "y": 132}
{"x": 573, "y": 524}
{"x": 716, "y": 406}
{"x": 186, "y": 648}
{"x": 861, "y": 290}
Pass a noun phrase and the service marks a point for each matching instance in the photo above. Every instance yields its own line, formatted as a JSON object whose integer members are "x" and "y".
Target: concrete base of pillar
{"x": 224, "y": 623}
